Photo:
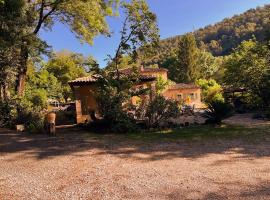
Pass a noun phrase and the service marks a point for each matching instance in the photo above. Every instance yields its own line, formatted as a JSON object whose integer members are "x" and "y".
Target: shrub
{"x": 160, "y": 110}
{"x": 217, "y": 111}
{"x": 211, "y": 90}
{"x": 38, "y": 98}
{"x": 29, "y": 115}
{"x": 7, "y": 114}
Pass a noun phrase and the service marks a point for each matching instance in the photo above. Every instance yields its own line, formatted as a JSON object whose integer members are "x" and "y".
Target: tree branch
{"x": 43, "y": 17}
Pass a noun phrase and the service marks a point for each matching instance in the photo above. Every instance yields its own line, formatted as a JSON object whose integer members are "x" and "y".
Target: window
{"x": 179, "y": 97}
{"x": 192, "y": 96}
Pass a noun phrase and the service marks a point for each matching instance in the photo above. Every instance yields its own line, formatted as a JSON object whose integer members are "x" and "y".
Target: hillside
{"x": 222, "y": 37}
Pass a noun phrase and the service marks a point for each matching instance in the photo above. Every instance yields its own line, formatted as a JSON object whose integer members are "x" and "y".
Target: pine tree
{"x": 187, "y": 59}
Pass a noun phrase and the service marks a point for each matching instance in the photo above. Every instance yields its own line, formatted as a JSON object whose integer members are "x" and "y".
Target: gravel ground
{"x": 78, "y": 167}
{"x": 246, "y": 120}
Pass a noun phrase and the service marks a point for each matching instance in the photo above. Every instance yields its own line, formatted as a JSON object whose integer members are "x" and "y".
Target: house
{"x": 85, "y": 88}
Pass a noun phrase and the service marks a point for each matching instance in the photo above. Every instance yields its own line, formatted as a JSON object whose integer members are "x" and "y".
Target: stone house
{"x": 84, "y": 91}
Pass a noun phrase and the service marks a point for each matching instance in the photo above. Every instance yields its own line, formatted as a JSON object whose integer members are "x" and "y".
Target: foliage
{"x": 211, "y": 90}
{"x": 38, "y": 80}
{"x": 66, "y": 66}
{"x": 139, "y": 30}
{"x": 219, "y": 39}
{"x": 86, "y": 19}
{"x": 112, "y": 97}
{"x": 29, "y": 115}
{"x": 208, "y": 65}
{"x": 160, "y": 110}
{"x": 6, "y": 114}
{"x": 161, "y": 85}
{"x": 190, "y": 63}
{"x": 187, "y": 55}
{"x": 114, "y": 88}
{"x": 217, "y": 111}
{"x": 248, "y": 67}
{"x": 10, "y": 31}
{"x": 21, "y": 111}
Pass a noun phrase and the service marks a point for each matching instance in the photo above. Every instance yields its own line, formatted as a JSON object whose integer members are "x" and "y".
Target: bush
{"x": 7, "y": 114}
{"x": 217, "y": 111}
{"x": 29, "y": 115}
{"x": 211, "y": 90}
{"x": 38, "y": 98}
{"x": 21, "y": 111}
{"x": 160, "y": 110}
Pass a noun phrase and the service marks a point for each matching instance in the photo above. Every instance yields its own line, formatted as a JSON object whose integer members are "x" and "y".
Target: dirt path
{"x": 246, "y": 120}
{"x": 106, "y": 167}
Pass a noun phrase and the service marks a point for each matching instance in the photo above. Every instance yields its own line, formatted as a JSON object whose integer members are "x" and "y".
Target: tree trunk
{"x": 21, "y": 77}
{"x": 4, "y": 92}
{"x": 1, "y": 93}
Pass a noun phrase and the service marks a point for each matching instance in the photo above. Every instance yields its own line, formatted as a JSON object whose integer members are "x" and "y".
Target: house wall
{"x": 135, "y": 100}
{"x": 189, "y": 96}
{"x": 85, "y": 102}
{"x": 162, "y": 74}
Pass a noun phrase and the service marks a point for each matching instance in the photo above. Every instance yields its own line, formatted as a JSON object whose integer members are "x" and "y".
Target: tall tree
{"x": 139, "y": 31}
{"x": 115, "y": 89}
{"x": 10, "y": 31}
{"x": 67, "y": 66}
{"x": 249, "y": 67}
{"x": 86, "y": 18}
{"x": 187, "y": 59}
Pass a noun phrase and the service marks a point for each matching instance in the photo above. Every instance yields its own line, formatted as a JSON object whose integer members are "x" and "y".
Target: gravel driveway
{"x": 74, "y": 166}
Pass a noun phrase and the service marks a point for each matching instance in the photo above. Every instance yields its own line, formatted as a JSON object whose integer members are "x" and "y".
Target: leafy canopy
{"x": 248, "y": 66}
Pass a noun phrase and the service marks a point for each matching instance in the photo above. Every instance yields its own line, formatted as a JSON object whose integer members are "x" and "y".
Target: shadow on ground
{"x": 261, "y": 191}
{"x": 77, "y": 142}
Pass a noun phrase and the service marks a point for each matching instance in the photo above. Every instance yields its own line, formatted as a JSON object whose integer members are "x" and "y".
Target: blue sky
{"x": 175, "y": 17}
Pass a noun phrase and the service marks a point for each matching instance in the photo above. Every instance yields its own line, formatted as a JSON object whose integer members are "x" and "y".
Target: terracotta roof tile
{"x": 93, "y": 79}
{"x": 154, "y": 70}
{"x": 88, "y": 79}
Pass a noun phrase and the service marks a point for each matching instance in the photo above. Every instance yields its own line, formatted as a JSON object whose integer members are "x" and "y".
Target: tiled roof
{"x": 125, "y": 71}
{"x": 88, "y": 79}
{"x": 129, "y": 70}
{"x": 183, "y": 86}
{"x": 154, "y": 70}
{"x": 93, "y": 79}
{"x": 147, "y": 78}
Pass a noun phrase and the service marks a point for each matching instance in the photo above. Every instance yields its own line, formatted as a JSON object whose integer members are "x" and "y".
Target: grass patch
{"x": 199, "y": 133}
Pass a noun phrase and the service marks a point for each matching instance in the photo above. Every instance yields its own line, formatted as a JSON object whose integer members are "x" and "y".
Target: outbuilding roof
{"x": 93, "y": 79}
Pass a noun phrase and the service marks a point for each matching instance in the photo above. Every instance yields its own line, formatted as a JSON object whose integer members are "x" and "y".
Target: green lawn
{"x": 196, "y": 133}
{"x": 203, "y": 132}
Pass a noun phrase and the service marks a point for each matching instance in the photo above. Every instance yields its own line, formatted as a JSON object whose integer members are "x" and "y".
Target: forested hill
{"x": 222, "y": 37}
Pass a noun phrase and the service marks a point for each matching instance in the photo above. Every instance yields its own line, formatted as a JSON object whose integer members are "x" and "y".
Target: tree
{"x": 115, "y": 88}
{"x": 86, "y": 18}
{"x": 10, "y": 32}
{"x": 42, "y": 82}
{"x": 67, "y": 66}
{"x": 248, "y": 66}
{"x": 211, "y": 90}
{"x": 187, "y": 56}
{"x": 160, "y": 110}
{"x": 208, "y": 64}
{"x": 139, "y": 30}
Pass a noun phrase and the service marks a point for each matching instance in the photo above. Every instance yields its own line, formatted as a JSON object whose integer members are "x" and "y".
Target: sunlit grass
{"x": 189, "y": 134}
{"x": 202, "y": 132}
